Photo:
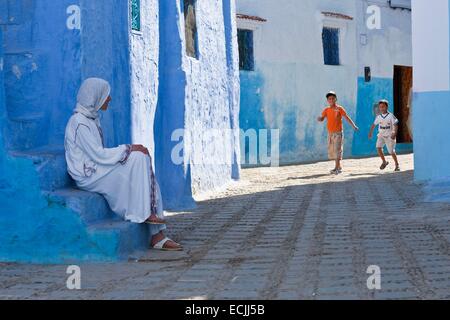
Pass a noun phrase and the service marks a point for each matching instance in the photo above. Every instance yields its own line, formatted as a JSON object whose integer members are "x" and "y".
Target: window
{"x": 330, "y": 38}
{"x": 246, "y": 57}
{"x": 403, "y": 4}
{"x": 190, "y": 22}
{"x": 136, "y": 15}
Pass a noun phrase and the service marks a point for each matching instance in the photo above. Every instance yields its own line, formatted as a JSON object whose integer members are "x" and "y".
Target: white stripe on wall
{"x": 431, "y": 45}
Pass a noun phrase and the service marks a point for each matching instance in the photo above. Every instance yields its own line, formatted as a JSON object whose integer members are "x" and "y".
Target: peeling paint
{"x": 17, "y": 72}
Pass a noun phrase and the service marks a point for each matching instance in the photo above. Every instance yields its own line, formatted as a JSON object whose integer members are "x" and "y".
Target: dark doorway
{"x": 403, "y": 82}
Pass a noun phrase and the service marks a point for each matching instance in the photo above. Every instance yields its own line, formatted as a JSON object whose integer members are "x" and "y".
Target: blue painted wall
{"x": 3, "y": 182}
{"x": 430, "y": 108}
{"x": 431, "y": 132}
{"x": 174, "y": 180}
{"x": 369, "y": 93}
{"x": 46, "y": 62}
{"x": 200, "y": 96}
{"x": 232, "y": 54}
{"x": 44, "y": 65}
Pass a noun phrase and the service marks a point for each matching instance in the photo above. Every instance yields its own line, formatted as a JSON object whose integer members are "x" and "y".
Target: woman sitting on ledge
{"x": 123, "y": 175}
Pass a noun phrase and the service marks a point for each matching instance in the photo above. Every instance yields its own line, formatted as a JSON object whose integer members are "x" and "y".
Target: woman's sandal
{"x": 158, "y": 222}
{"x": 160, "y": 246}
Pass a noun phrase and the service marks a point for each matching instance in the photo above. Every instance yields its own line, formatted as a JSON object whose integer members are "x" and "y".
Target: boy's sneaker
{"x": 397, "y": 169}
{"x": 384, "y": 165}
{"x": 336, "y": 171}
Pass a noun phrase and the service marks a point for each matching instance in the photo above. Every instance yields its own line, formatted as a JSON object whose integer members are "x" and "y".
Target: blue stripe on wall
{"x": 432, "y": 149}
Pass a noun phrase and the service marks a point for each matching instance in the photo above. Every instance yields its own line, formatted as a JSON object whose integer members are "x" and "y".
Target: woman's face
{"x": 106, "y": 104}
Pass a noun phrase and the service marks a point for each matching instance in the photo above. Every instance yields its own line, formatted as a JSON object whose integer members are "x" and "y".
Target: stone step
{"x": 91, "y": 207}
{"x": 50, "y": 166}
{"x": 112, "y": 239}
{"x": 120, "y": 239}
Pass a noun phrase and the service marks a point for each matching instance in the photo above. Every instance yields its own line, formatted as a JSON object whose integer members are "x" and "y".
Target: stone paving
{"x": 293, "y": 232}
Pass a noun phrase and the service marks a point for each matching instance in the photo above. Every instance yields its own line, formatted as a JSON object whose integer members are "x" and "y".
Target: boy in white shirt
{"x": 387, "y": 133}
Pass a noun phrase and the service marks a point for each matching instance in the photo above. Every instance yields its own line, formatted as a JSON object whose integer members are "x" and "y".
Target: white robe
{"x": 121, "y": 176}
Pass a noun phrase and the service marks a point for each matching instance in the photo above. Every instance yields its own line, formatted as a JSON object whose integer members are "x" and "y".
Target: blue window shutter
{"x": 136, "y": 15}
{"x": 246, "y": 53}
{"x": 330, "y": 38}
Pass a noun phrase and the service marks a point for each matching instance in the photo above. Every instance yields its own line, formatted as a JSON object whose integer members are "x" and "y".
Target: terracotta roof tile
{"x": 337, "y": 15}
{"x": 247, "y": 17}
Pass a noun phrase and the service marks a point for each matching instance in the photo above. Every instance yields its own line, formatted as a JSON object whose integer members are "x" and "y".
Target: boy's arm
{"x": 322, "y": 117}
{"x": 394, "y": 133}
{"x": 352, "y": 123}
{"x": 371, "y": 131}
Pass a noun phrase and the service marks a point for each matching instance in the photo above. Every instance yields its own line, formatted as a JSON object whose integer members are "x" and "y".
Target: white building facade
{"x": 293, "y": 52}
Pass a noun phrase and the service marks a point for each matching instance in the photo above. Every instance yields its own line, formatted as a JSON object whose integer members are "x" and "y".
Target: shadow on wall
{"x": 175, "y": 180}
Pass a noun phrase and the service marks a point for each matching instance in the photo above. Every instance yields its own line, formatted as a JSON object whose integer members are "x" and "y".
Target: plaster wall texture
{"x": 198, "y": 95}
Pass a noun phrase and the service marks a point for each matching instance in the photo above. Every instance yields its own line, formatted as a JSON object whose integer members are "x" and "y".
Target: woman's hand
{"x": 140, "y": 148}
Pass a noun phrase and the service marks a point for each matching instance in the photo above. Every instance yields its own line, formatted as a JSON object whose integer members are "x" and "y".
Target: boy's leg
{"x": 381, "y": 154}
{"x": 340, "y": 151}
{"x": 381, "y": 142}
{"x": 394, "y": 156}
{"x": 335, "y": 150}
{"x": 332, "y": 150}
{"x": 391, "y": 148}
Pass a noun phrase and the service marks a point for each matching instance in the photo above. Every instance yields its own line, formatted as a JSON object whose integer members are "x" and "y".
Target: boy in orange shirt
{"x": 334, "y": 114}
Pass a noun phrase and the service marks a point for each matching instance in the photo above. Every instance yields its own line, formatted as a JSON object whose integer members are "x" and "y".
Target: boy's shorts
{"x": 335, "y": 145}
{"x": 388, "y": 142}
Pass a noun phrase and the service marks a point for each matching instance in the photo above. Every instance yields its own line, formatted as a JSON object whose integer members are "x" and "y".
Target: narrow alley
{"x": 292, "y": 232}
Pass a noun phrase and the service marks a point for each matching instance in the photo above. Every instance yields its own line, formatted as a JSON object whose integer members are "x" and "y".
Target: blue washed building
{"x": 293, "y": 52}
{"x": 431, "y": 56}
{"x": 142, "y": 47}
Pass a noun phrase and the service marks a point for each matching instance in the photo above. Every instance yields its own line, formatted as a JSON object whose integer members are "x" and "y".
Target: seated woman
{"x": 123, "y": 175}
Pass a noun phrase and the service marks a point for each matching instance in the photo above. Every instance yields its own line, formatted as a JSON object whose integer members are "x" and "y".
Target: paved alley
{"x": 293, "y": 232}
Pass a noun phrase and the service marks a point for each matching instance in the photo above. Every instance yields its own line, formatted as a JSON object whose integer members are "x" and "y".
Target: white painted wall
{"x": 144, "y": 74}
{"x": 289, "y": 55}
{"x": 431, "y": 46}
{"x": 385, "y": 47}
{"x": 211, "y": 88}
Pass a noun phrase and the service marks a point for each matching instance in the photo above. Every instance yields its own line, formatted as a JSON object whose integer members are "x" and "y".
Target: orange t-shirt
{"x": 334, "y": 118}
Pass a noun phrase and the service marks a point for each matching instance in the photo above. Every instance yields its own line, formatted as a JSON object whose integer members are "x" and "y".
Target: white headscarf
{"x": 91, "y": 97}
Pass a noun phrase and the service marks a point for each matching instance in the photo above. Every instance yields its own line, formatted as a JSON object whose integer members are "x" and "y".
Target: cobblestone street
{"x": 293, "y": 232}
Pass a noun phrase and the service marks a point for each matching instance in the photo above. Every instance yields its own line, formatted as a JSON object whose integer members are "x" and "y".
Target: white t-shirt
{"x": 386, "y": 123}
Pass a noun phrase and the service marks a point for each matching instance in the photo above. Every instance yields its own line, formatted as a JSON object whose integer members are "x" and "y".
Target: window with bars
{"x": 330, "y": 38}
{"x": 190, "y": 22}
{"x": 246, "y": 54}
{"x": 136, "y": 15}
